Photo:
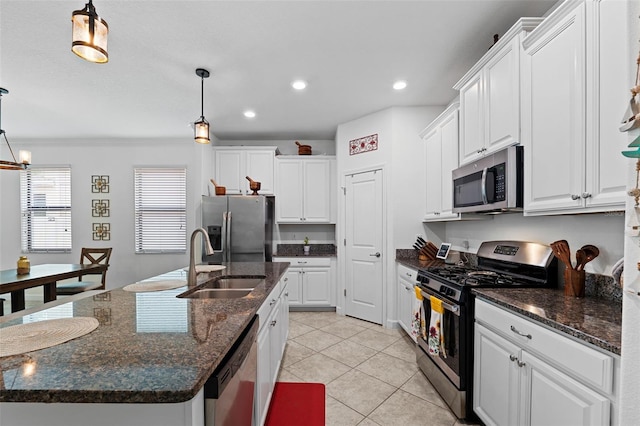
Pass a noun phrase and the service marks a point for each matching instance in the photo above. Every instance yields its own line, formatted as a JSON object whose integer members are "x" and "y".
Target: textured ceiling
{"x": 350, "y": 52}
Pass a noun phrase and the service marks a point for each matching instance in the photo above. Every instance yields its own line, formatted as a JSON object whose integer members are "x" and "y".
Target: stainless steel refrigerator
{"x": 240, "y": 227}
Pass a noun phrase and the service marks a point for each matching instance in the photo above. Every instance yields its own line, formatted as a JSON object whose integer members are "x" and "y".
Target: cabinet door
{"x": 502, "y": 97}
{"x": 433, "y": 153}
{"x": 449, "y": 161}
{"x": 471, "y": 118}
{"x": 554, "y": 116}
{"x": 293, "y": 278}
{"x": 264, "y": 386}
{"x": 229, "y": 168}
{"x": 496, "y": 378}
{"x": 275, "y": 342}
{"x": 259, "y": 167}
{"x": 405, "y": 295}
{"x": 606, "y": 168}
{"x": 284, "y": 316}
{"x": 289, "y": 191}
{"x": 316, "y": 283}
{"x": 553, "y": 398}
{"x": 317, "y": 202}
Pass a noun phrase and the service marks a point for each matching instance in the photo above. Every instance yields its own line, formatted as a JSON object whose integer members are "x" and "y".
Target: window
{"x": 45, "y": 204}
{"x": 160, "y": 210}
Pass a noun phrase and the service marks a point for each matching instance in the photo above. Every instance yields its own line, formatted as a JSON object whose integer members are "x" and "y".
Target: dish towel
{"x": 418, "y": 329}
{"x": 436, "y": 335}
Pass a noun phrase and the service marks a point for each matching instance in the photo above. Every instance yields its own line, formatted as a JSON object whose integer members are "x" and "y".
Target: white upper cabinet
{"x": 305, "y": 190}
{"x": 441, "y": 152}
{"x": 572, "y": 88}
{"x": 490, "y": 96}
{"x": 233, "y": 164}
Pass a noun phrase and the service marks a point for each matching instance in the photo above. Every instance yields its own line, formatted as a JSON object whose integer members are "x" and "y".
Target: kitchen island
{"x": 149, "y": 358}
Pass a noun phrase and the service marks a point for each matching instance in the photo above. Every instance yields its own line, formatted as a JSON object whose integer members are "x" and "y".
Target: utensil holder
{"x": 574, "y": 283}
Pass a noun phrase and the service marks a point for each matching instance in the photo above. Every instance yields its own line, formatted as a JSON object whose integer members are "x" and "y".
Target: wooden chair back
{"x": 96, "y": 256}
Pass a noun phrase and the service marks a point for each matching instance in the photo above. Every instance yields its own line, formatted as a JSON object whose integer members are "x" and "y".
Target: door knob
{"x": 377, "y": 254}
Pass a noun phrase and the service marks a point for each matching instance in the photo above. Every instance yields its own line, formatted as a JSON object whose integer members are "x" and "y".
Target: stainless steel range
{"x": 500, "y": 264}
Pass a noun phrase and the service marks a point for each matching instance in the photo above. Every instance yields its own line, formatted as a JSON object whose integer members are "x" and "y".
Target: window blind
{"x": 160, "y": 210}
{"x": 45, "y": 204}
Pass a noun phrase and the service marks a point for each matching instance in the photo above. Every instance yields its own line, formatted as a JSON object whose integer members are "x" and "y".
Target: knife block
{"x": 574, "y": 282}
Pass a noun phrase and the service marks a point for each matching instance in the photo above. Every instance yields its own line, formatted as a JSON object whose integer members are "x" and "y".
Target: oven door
{"x": 448, "y": 362}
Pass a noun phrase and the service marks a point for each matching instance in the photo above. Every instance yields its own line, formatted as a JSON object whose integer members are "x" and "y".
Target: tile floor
{"x": 370, "y": 372}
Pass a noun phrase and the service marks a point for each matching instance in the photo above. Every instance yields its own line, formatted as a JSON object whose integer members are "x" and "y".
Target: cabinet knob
{"x": 409, "y": 275}
{"x": 286, "y": 279}
{"x": 575, "y": 197}
{"x": 521, "y": 364}
{"x": 273, "y": 323}
{"x": 286, "y": 293}
{"x": 586, "y": 195}
{"x": 513, "y": 357}
{"x": 272, "y": 302}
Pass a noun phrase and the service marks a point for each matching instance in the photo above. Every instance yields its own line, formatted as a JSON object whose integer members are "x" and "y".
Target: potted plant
{"x": 306, "y": 246}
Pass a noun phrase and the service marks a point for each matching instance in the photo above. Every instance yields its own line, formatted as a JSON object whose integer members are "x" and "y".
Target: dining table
{"x": 46, "y": 275}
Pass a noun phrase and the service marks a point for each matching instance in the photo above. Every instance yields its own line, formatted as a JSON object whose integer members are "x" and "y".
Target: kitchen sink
{"x": 224, "y": 287}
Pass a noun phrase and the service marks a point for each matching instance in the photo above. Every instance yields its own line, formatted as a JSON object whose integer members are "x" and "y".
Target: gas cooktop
{"x": 473, "y": 276}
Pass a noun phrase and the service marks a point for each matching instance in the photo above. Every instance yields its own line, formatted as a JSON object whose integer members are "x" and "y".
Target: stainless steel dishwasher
{"x": 229, "y": 391}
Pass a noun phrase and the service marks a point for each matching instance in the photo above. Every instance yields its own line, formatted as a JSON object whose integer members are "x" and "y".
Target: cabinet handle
{"x": 409, "y": 275}
{"x": 300, "y": 262}
{"x": 521, "y": 364}
{"x": 575, "y": 197}
{"x": 586, "y": 195}
{"x": 286, "y": 294}
{"x": 513, "y": 357}
{"x": 273, "y": 323}
{"x": 272, "y": 302}
{"x": 515, "y": 330}
{"x": 286, "y": 279}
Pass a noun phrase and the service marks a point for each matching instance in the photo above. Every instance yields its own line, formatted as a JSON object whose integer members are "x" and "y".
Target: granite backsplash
{"x": 297, "y": 250}
{"x": 597, "y": 286}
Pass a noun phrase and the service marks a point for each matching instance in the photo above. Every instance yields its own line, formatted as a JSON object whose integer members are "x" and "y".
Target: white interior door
{"x": 364, "y": 237}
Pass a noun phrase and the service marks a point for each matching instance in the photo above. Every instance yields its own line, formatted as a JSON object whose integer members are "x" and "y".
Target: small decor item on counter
{"x": 24, "y": 265}
{"x": 253, "y": 185}
{"x": 574, "y": 277}
{"x": 306, "y": 246}
{"x": 220, "y": 190}
{"x": 303, "y": 149}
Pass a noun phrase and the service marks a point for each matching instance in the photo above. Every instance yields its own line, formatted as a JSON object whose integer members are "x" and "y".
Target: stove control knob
{"x": 443, "y": 289}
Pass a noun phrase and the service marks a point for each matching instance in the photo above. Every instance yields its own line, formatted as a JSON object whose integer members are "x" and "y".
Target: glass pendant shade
{"x": 201, "y": 128}
{"x": 89, "y": 33}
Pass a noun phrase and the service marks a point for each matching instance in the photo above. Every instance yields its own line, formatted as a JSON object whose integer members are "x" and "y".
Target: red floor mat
{"x": 295, "y": 404}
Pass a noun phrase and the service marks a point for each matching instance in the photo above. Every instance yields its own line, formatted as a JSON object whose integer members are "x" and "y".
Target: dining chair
{"x": 87, "y": 256}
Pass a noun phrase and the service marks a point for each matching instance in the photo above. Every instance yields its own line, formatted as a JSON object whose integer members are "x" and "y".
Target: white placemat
{"x": 207, "y": 268}
{"x": 154, "y": 285}
{"x": 22, "y": 338}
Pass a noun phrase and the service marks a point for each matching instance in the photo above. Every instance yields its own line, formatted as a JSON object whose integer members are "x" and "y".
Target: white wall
{"x": 602, "y": 230}
{"x": 630, "y": 367}
{"x": 115, "y": 158}
{"x": 400, "y": 155}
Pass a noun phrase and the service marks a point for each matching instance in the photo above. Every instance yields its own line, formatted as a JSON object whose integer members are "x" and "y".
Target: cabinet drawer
{"x": 589, "y": 365}
{"x": 303, "y": 262}
{"x": 407, "y": 273}
{"x": 269, "y": 303}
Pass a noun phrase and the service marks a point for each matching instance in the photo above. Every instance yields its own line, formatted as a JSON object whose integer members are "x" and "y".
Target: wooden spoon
{"x": 561, "y": 251}
{"x": 591, "y": 252}
{"x": 581, "y": 259}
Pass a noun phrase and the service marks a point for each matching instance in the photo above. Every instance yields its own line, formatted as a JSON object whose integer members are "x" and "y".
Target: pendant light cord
{"x": 202, "y": 96}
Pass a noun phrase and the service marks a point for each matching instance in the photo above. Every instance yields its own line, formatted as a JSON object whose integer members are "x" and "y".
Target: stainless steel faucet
{"x": 191, "y": 280}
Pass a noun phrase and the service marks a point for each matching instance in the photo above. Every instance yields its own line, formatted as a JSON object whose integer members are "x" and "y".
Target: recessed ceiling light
{"x": 299, "y": 84}
{"x": 249, "y": 114}
{"x": 399, "y": 85}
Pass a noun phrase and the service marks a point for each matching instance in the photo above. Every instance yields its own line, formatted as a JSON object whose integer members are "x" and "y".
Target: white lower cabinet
{"x": 518, "y": 380}
{"x": 272, "y": 338}
{"x": 310, "y": 281}
{"x": 405, "y": 297}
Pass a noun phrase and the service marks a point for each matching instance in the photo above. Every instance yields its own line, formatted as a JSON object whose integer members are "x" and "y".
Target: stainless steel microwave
{"x": 491, "y": 184}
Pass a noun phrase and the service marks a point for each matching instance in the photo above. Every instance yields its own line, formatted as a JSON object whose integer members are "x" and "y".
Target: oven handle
{"x": 455, "y": 309}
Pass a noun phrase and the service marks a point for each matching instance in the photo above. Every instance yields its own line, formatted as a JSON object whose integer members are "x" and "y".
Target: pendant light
{"x": 201, "y": 126}
{"x": 25, "y": 156}
{"x": 89, "y": 33}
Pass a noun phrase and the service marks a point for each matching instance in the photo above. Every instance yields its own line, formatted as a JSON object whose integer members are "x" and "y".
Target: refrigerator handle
{"x": 223, "y": 243}
{"x": 228, "y": 237}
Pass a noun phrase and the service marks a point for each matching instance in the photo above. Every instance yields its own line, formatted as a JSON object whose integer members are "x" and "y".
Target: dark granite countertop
{"x": 415, "y": 263}
{"x": 592, "y": 320}
{"x": 149, "y": 347}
